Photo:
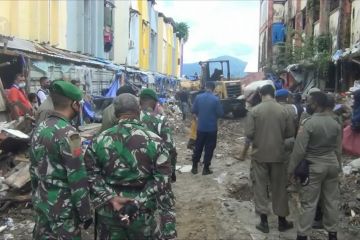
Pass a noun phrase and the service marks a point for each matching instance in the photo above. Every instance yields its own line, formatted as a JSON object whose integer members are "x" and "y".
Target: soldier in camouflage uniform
{"x": 130, "y": 161}
{"x": 158, "y": 125}
{"x": 60, "y": 191}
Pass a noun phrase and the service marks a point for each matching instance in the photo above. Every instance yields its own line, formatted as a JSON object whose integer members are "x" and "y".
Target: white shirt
{"x": 42, "y": 95}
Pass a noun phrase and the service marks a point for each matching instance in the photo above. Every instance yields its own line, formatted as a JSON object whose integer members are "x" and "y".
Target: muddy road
{"x": 217, "y": 206}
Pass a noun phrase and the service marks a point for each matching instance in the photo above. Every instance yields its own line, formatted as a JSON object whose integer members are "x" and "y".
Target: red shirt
{"x": 17, "y": 96}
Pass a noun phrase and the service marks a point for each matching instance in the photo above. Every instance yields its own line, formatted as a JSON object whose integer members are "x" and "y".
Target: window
{"x": 334, "y": 4}
{"x": 316, "y": 10}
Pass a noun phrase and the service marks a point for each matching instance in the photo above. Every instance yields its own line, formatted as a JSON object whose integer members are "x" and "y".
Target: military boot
{"x": 301, "y": 237}
{"x": 263, "y": 226}
{"x": 332, "y": 235}
{"x": 284, "y": 225}
{"x": 194, "y": 169}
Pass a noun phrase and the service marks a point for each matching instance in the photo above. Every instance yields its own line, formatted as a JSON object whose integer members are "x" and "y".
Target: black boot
{"x": 284, "y": 225}
{"x": 263, "y": 226}
{"x": 173, "y": 177}
{"x": 206, "y": 170}
{"x": 194, "y": 169}
{"x": 301, "y": 237}
{"x": 332, "y": 235}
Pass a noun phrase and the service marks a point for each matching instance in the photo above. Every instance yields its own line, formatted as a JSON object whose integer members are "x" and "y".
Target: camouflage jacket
{"x": 158, "y": 125}
{"x": 127, "y": 158}
{"x": 59, "y": 180}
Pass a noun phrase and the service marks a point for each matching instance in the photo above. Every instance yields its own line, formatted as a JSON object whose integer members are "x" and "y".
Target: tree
{"x": 182, "y": 30}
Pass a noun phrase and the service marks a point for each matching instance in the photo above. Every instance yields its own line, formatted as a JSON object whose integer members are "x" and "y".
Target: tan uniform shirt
{"x": 318, "y": 141}
{"x": 109, "y": 120}
{"x": 44, "y": 110}
{"x": 268, "y": 125}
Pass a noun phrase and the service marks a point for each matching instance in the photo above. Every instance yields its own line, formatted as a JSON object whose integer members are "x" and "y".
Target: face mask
{"x": 22, "y": 85}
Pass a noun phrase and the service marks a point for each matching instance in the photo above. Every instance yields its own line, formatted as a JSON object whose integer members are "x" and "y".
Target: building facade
{"x": 297, "y": 23}
{"x": 128, "y": 32}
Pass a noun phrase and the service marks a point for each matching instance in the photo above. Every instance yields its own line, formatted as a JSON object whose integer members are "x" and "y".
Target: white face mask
{"x": 22, "y": 85}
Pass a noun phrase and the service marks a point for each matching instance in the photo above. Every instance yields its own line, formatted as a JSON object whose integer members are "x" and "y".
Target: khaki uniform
{"x": 319, "y": 142}
{"x": 108, "y": 118}
{"x": 289, "y": 142}
{"x": 44, "y": 110}
{"x": 268, "y": 126}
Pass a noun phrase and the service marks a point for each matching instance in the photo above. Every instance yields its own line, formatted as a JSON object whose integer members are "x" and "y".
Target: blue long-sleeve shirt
{"x": 208, "y": 109}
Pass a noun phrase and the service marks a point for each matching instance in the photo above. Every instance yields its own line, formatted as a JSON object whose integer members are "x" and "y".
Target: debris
{"x": 2, "y": 228}
{"x": 16, "y": 133}
{"x": 358, "y": 196}
{"x": 353, "y": 214}
{"x": 8, "y": 236}
{"x": 185, "y": 168}
{"x": 221, "y": 178}
{"x": 19, "y": 176}
{"x": 355, "y": 164}
{"x": 347, "y": 170}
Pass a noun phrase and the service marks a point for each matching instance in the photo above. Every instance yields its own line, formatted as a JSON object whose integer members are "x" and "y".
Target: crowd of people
{"x": 122, "y": 182}
{"x": 297, "y": 147}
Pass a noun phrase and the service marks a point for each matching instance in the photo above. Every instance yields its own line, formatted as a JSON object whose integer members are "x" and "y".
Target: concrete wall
{"x": 85, "y": 28}
{"x": 121, "y": 31}
{"x": 334, "y": 28}
{"x": 37, "y": 20}
{"x": 355, "y": 22}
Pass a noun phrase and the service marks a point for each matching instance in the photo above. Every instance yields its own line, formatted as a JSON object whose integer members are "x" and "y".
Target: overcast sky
{"x": 217, "y": 27}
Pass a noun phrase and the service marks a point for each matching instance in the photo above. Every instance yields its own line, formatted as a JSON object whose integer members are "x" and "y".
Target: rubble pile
{"x": 350, "y": 193}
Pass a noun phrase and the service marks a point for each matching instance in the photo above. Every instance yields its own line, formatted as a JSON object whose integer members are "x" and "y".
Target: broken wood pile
{"x": 14, "y": 166}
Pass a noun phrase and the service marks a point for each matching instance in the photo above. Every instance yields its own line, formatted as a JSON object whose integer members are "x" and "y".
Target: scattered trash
{"x": 184, "y": 168}
{"x": 355, "y": 164}
{"x": 347, "y": 170}
{"x": 2, "y": 228}
{"x": 8, "y": 236}
{"x": 353, "y": 214}
{"x": 221, "y": 178}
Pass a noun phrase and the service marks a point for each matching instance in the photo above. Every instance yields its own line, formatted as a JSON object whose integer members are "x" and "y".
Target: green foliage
{"x": 182, "y": 30}
{"x": 313, "y": 53}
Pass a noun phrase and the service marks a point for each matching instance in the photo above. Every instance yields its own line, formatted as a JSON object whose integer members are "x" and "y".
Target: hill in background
{"x": 237, "y": 67}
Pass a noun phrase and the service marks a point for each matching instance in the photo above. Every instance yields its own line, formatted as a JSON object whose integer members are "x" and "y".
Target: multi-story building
{"x": 128, "y": 32}
{"x": 293, "y": 22}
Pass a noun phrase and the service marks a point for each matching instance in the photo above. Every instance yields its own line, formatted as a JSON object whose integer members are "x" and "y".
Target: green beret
{"x": 67, "y": 89}
{"x": 147, "y": 92}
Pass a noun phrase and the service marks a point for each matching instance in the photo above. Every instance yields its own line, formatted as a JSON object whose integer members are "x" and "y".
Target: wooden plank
{"x": 19, "y": 176}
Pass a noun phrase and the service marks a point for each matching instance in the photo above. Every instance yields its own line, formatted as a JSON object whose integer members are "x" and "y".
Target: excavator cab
{"x": 227, "y": 89}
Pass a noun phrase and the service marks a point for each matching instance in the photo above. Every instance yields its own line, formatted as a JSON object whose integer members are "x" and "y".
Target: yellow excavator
{"x": 229, "y": 91}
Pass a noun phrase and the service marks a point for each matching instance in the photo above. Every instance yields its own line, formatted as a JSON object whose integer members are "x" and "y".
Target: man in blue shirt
{"x": 208, "y": 109}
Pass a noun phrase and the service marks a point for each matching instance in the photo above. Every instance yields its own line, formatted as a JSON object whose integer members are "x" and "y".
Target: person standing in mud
{"x": 268, "y": 125}
{"x": 319, "y": 143}
{"x": 208, "y": 109}
{"x": 60, "y": 189}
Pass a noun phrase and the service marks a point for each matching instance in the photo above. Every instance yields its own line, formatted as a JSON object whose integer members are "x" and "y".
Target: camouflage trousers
{"x": 143, "y": 228}
{"x": 167, "y": 216}
{"x": 62, "y": 229}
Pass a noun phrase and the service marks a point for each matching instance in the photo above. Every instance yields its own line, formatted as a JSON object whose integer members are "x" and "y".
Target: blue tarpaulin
{"x": 114, "y": 86}
{"x": 278, "y": 33}
{"x": 88, "y": 111}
